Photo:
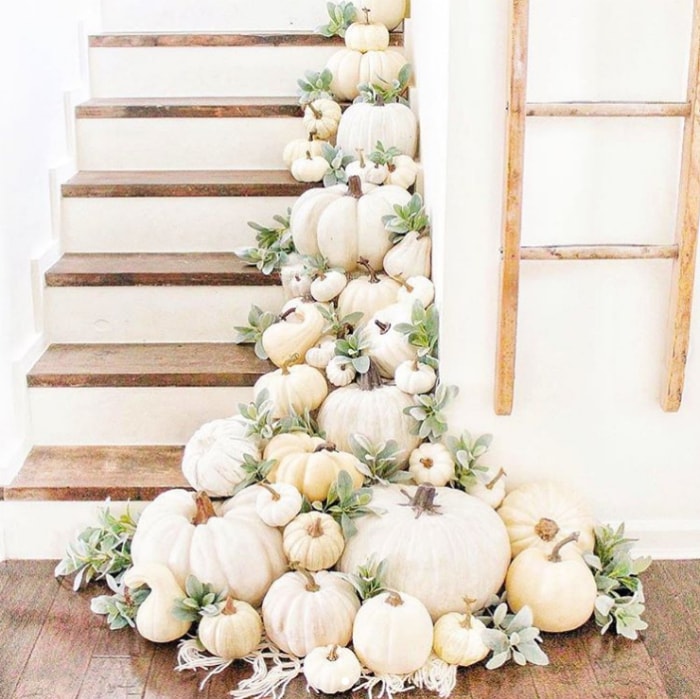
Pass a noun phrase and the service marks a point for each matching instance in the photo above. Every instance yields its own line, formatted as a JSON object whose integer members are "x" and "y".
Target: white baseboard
{"x": 665, "y": 539}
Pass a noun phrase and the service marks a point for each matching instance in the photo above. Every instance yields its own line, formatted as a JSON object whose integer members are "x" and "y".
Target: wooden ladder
{"x": 683, "y": 252}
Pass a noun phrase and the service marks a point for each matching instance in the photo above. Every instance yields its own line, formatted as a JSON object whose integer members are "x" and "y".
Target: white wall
{"x": 41, "y": 59}
{"x": 591, "y": 334}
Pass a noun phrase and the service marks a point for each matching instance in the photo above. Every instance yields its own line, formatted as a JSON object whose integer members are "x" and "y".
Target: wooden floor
{"x": 53, "y": 646}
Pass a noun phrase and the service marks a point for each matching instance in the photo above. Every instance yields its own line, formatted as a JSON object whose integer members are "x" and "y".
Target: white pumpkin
{"x": 370, "y": 408}
{"x": 340, "y": 371}
{"x": 321, "y": 118}
{"x": 367, "y": 294}
{"x": 461, "y": 549}
{"x": 416, "y": 288}
{"x": 234, "y": 550}
{"x": 321, "y": 353}
{"x": 313, "y": 540}
{"x": 302, "y": 611}
{"x": 299, "y": 147}
{"x": 387, "y": 347}
{"x": 431, "y": 462}
{"x": 457, "y": 639}
{"x": 310, "y": 168}
{"x": 352, "y": 68}
{"x": 367, "y": 35}
{"x": 409, "y": 257}
{"x": 345, "y": 223}
{"x": 293, "y": 389}
{"x": 402, "y": 171}
{"x": 294, "y": 278}
{"x": 289, "y": 339}
{"x": 389, "y": 12}
{"x": 327, "y": 285}
{"x": 233, "y": 633}
{"x": 213, "y": 456}
{"x": 366, "y": 170}
{"x": 414, "y": 378}
{"x": 393, "y": 634}
{"x": 491, "y": 489}
{"x": 363, "y": 124}
{"x": 543, "y": 513}
{"x": 332, "y": 669}
{"x": 154, "y": 618}
{"x": 277, "y": 505}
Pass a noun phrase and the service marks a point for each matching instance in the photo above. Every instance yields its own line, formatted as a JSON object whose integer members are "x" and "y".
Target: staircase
{"x": 179, "y": 146}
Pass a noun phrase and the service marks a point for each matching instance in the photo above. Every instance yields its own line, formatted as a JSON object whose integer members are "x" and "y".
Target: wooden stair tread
{"x": 184, "y": 183}
{"x": 97, "y": 472}
{"x": 147, "y": 365}
{"x": 188, "y": 107}
{"x": 155, "y": 269}
{"x": 184, "y": 39}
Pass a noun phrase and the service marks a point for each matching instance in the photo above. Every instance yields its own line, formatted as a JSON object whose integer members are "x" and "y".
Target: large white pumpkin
{"x": 363, "y": 124}
{"x": 352, "y": 68}
{"x": 459, "y": 550}
{"x": 389, "y": 12}
{"x": 232, "y": 549}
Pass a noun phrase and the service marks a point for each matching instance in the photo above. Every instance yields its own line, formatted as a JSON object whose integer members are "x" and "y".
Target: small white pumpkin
{"x": 340, "y": 372}
{"x": 327, "y": 285}
{"x": 431, "y": 462}
{"x": 299, "y": 147}
{"x": 277, "y": 505}
{"x": 321, "y": 353}
{"x": 352, "y": 68}
{"x": 233, "y": 633}
{"x": 366, "y": 35}
{"x": 416, "y": 288}
{"x": 292, "y": 389}
{"x": 393, "y": 634}
{"x": 402, "y": 171}
{"x": 310, "y": 168}
{"x": 294, "y": 334}
{"x": 414, "y": 377}
{"x": 387, "y": 347}
{"x": 409, "y": 257}
{"x": 366, "y": 170}
{"x": 303, "y": 610}
{"x": 389, "y": 12}
{"x": 492, "y": 489}
{"x": 457, "y": 639}
{"x": 332, "y": 669}
{"x": 367, "y": 294}
{"x": 295, "y": 280}
{"x": 313, "y": 540}
{"x": 154, "y": 618}
{"x": 321, "y": 117}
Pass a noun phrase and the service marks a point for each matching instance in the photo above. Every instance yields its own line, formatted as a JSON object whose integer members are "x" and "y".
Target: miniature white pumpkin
{"x": 366, "y": 170}
{"x": 416, "y": 288}
{"x": 321, "y": 353}
{"x": 367, "y": 35}
{"x": 327, "y": 285}
{"x": 310, "y": 168}
{"x": 340, "y": 371}
{"x": 302, "y": 611}
{"x": 402, "y": 171}
{"x": 299, "y": 147}
{"x": 321, "y": 118}
{"x": 457, "y": 639}
{"x": 389, "y": 12}
{"x": 154, "y": 618}
{"x": 409, "y": 257}
{"x": 213, "y": 456}
{"x": 277, "y": 505}
{"x": 313, "y": 541}
{"x": 294, "y": 278}
{"x": 387, "y": 347}
{"x": 367, "y": 294}
{"x": 431, "y": 462}
{"x": 293, "y": 389}
{"x": 363, "y": 124}
{"x": 352, "y": 68}
{"x": 233, "y": 633}
{"x": 414, "y": 377}
{"x": 393, "y": 634}
{"x": 492, "y": 489}
{"x": 294, "y": 334}
{"x": 332, "y": 669}
{"x": 460, "y": 549}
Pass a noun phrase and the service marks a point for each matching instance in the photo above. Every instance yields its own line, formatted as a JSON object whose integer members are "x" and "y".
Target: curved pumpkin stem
{"x": 555, "y": 556}
{"x": 205, "y": 508}
{"x": 501, "y": 473}
{"x": 275, "y": 495}
{"x": 311, "y": 584}
{"x": 230, "y": 607}
{"x": 364, "y": 262}
{"x": 333, "y": 655}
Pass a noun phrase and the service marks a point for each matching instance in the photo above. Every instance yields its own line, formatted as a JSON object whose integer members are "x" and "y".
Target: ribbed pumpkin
{"x": 367, "y": 294}
{"x": 351, "y": 68}
{"x": 293, "y": 389}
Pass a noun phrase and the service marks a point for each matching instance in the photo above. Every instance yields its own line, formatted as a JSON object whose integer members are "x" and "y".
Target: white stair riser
{"x": 185, "y": 144}
{"x": 193, "y": 71}
{"x": 43, "y": 530}
{"x": 165, "y": 224}
{"x": 153, "y": 313}
{"x": 170, "y": 415}
{"x": 212, "y": 15}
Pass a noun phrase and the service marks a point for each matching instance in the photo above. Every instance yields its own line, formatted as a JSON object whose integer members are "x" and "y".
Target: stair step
{"x": 146, "y": 365}
{"x": 184, "y": 183}
{"x": 60, "y": 473}
{"x": 170, "y": 269}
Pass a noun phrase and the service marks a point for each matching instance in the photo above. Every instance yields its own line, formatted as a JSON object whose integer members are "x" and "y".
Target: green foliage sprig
{"x": 620, "y": 600}
{"x": 335, "y": 325}
{"x": 369, "y": 578}
{"x": 379, "y": 463}
{"x": 353, "y": 350}
{"x": 274, "y": 245}
{"x": 410, "y": 218}
{"x": 201, "y": 600}
{"x": 258, "y": 322}
{"x": 256, "y": 471}
{"x": 315, "y": 85}
{"x": 422, "y": 332}
{"x": 466, "y": 452}
{"x": 342, "y": 15}
{"x": 100, "y": 552}
{"x": 384, "y": 91}
{"x": 431, "y": 422}
{"x": 383, "y": 156}
{"x": 337, "y": 162}
{"x": 121, "y": 607}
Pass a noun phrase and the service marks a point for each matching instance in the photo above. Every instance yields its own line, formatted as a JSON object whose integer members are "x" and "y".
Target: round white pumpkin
{"x": 293, "y": 389}
{"x": 457, "y": 639}
{"x": 332, "y": 669}
{"x": 277, "y": 505}
{"x": 389, "y": 12}
{"x": 313, "y": 540}
{"x": 233, "y": 633}
{"x": 431, "y": 462}
{"x": 352, "y": 68}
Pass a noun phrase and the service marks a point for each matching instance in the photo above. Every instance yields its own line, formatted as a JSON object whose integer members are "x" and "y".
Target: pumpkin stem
{"x": 326, "y": 446}
{"x": 289, "y": 311}
{"x": 275, "y": 495}
{"x": 316, "y": 529}
{"x": 501, "y": 473}
{"x": 383, "y": 327}
{"x": 230, "y": 606}
{"x": 291, "y": 361}
{"x": 554, "y": 557}
{"x": 466, "y": 622}
{"x": 394, "y": 599}
{"x": 370, "y": 379}
{"x": 390, "y": 166}
{"x": 333, "y": 655}
{"x": 380, "y": 101}
{"x": 312, "y": 134}
{"x": 364, "y": 262}
{"x": 366, "y": 11}
{"x": 205, "y": 508}
{"x": 354, "y": 186}
{"x": 427, "y": 463}
{"x": 546, "y": 529}
{"x": 316, "y": 112}
{"x": 308, "y": 155}
{"x": 361, "y": 153}
{"x": 311, "y": 584}
{"x": 423, "y": 501}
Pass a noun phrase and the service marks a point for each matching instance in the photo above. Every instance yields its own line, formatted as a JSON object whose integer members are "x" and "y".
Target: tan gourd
{"x": 313, "y": 540}
{"x": 232, "y": 634}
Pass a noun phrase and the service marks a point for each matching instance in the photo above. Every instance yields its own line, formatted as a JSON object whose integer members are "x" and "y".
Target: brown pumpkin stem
{"x": 316, "y": 112}
{"x": 275, "y": 495}
{"x": 546, "y": 529}
{"x": 466, "y": 623}
{"x": 230, "y": 607}
{"x": 394, "y": 599}
{"x": 311, "y": 584}
{"x": 361, "y": 153}
{"x": 316, "y": 529}
{"x": 364, "y": 262}
{"x": 289, "y": 311}
{"x": 333, "y": 655}
{"x": 391, "y": 167}
{"x": 308, "y": 155}
{"x": 366, "y": 11}
{"x": 555, "y": 556}
{"x": 423, "y": 500}
{"x": 291, "y": 361}
{"x": 326, "y": 446}
{"x": 205, "y": 508}
{"x": 427, "y": 463}
{"x": 312, "y": 135}
{"x": 501, "y": 473}
{"x": 383, "y": 327}
{"x": 371, "y": 379}
{"x": 354, "y": 186}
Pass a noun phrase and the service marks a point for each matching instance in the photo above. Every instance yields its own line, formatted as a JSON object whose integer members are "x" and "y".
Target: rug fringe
{"x": 192, "y": 656}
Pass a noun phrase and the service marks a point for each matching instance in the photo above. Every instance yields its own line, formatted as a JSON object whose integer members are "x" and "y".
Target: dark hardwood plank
{"x": 184, "y": 183}
{"x": 165, "y": 683}
{"x": 97, "y": 472}
{"x": 122, "y": 643}
{"x": 508, "y": 682}
{"x": 28, "y": 589}
{"x": 115, "y": 678}
{"x": 123, "y": 365}
{"x": 156, "y": 269}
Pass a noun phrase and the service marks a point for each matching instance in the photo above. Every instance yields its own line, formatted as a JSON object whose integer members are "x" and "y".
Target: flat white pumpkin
{"x": 457, "y": 639}
{"x": 321, "y": 118}
{"x": 332, "y": 669}
{"x": 414, "y": 378}
{"x": 232, "y": 634}
{"x": 310, "y": 168}
{"x": 327, "y": 285}
{"x": 293, "y": 389}
{"x": 416, "y": 288}
{"x": 402, "y": 171}
{"x": 299, "y": 147}
{"x": 352, "y": 68}
{"x": 431, "y": 462}
{"x": 367, "y": 294}
{"x": 491, "y": 487}
{"x": 277, "y": 505}
{"x": 367, "y": 35}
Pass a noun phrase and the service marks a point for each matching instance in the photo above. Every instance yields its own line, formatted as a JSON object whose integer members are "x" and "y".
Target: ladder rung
{"x": 599, "y": 252}
{"x": 608, "y": 109}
